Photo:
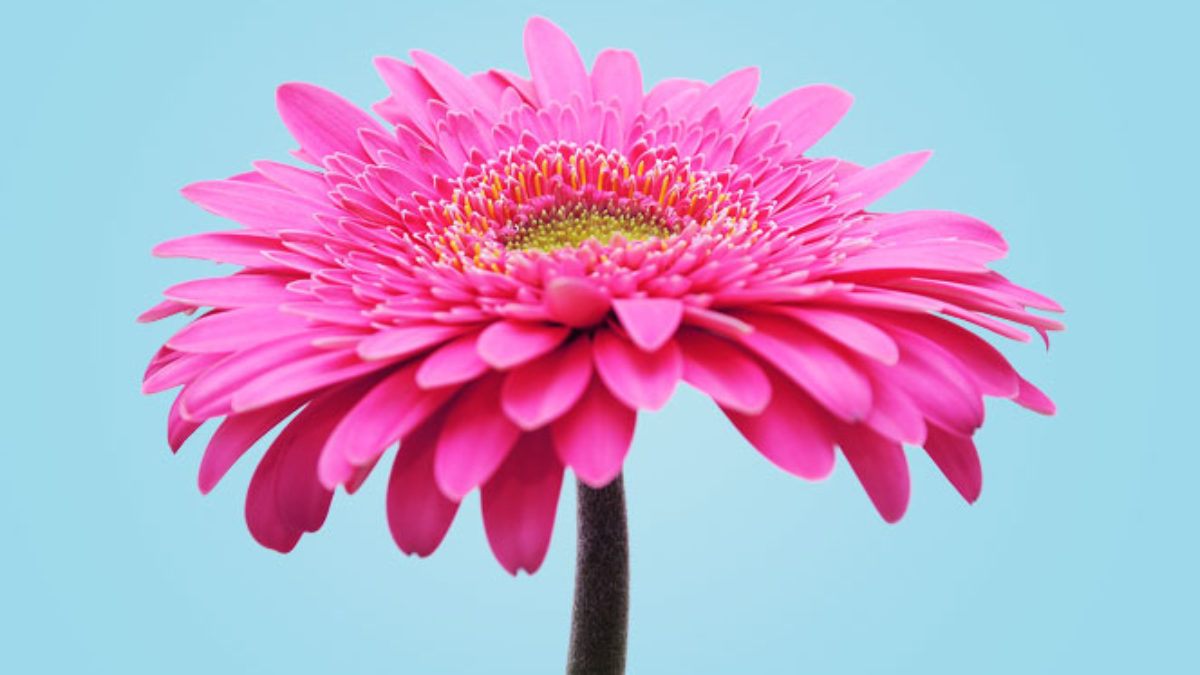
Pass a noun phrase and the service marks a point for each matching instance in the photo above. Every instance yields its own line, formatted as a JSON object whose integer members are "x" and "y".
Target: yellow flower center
{"x": 568, "y": 227}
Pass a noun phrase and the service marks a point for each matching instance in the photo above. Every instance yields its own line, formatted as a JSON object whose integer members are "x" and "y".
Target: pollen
{"x": 568, "y": 227}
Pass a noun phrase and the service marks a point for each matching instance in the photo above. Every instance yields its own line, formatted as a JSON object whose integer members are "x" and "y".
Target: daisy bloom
{"x": 497, "y": 273}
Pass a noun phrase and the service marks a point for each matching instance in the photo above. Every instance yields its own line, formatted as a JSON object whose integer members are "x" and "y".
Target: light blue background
{"x": 1070, "y": 127}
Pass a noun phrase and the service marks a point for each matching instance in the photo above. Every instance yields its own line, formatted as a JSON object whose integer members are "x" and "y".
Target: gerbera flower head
{"x": 498, "y": 273}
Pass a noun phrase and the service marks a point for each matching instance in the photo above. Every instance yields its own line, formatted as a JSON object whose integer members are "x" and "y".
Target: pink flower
{"x": 503, "y": 271}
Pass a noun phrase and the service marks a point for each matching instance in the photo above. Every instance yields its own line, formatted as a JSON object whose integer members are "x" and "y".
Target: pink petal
{"x": 418, "y": 514}
{"x": 234, "y": 248}
{"x": 164, "y": 309}
{"x": 642, "y": 380}
{"x": 179, "y": 429}
{"x": 508, "y": 344}
{"x": 321, "y": 121}
{"x": 731, "y": 94}
{"x": 182, "y": 370}
{"x": 236, "y": 329}
{"x": 235, "y": 436}
{"x": 958, "y": 459}
{"x": 722, "y": 370}
{"x": 396, "y": 343}
{"x": 868, "y": 185}
{"x": 862, "y": 336}
{"x": 828, "y": 376}
{"x": 805, "y": 114}
{"x": 594, "y": 437}
{"x": 540, "y": 391}
{"x": 300, "y": 377}
{"x": 262, "y": 511}
{"x": 576, "y": 302}
{"x": 1032, "y": 398}
{"x": 881, "y": 468}
{"x": 390, "y": 411}
{"x": 455, "y": 362}
{"x": 475, "y": 439}
{"x": 616, "y": 75}
{"x": 554, "y": 63}
{"x": 260, "y": 207}
{"x": 455, "y": 88}
{"x": 520, "y": 501}
{"x": 791, "y": 432}
{"x": 650, "y": 322}
{"x": 237, "y": 290}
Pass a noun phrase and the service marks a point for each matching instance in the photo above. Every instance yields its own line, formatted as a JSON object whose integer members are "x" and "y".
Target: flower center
{"x": 570, "y": 226}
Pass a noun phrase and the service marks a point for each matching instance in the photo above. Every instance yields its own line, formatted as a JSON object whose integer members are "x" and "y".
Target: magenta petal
{"x": 237, "y": 290}
{"x": 520, "y": 501}
{"x": 822, "y": 371}
{"x": 857, "y": 334}
{"x": 234, "y": 248}
{"x": 321, "y": 121}
{"x": 179, "y": 429}
{"x": 881, "y": 468}
{"x": 554, "y": 63}
{"x": 731, "y": 94}
{"x": 475, "y": 439}
{"x": 958, "y": 459}
{"x": 1032, "y": 398}
{"x": 594, "y": 437}
{"x": 262, "y": 512}
{"x": 236, "y": 329}
{"x": 392, "y": 409}
{"x": 642, "y": 380}
{"x": 805, "y": 114}
{"x": 455, "y": 88}
{"x": 418, "y": 514}
{"x": 576, "y": 302}
{"x": 455, "y": 362}
{"x": 791, "y": 432}
{"x": 395, "y": 343}
{"x": 861, "y": 189}
{"x": 260, "y": 207}
{"x": 650, "y": 322}
{"x": 508, "y": 344}
{"x": 235, "y": 436}
{"x": 540, "y": 391}
{"x": 616, "y": 75}
{"x": 722, "y": 370}
{"x": 300, "y": 377}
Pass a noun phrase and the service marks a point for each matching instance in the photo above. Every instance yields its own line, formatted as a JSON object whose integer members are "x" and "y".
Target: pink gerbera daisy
{"x": 499, "y": 272}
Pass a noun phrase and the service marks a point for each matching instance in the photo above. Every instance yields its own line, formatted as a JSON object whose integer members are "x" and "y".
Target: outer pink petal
{"x": 554, "y": 63}
{"x": 455, "y": 88}
{"x": 391, "y": 410}
{"x": 642, "y": 380}
{"x": 235, "y": 248}
{"x": 857, "y": 334}
{"x": 235, "y": 436}
{"x": 520, "y": 501}
{"x": 236, "y": 329}
{"x": 1032, "y": 398}
{"x": 881, "y": 468}
{"x": 260, "y": 207}
{"x": 455, "y": 362}
{"x": 616, "y": 75}
{"x": 540, "y": 391}
{"x": 323, "y": 122}
{"x": 791, "y": 432}
{"x": 722, "y": 370}
{"x": 237, "y": 290}
{"x": 805, "y": 114}
{"x": 398, "y": 343}
{"x": 868, "y": 185}
{"x": 419, "y": 515}
{"x": 731, "y": 94}
{"x": 958, "y": 459}
{"x": 594, "y": 437}
{"x": 302, "y": 376}
{"x": 821, "y": 370}
{"x": 475, "y": 439}
{"x": 508, "y": 344}
{"x": 650, "y": 322}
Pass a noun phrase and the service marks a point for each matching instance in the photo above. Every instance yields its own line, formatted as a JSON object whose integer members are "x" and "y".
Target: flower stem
{"x": 600, "y": 616}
